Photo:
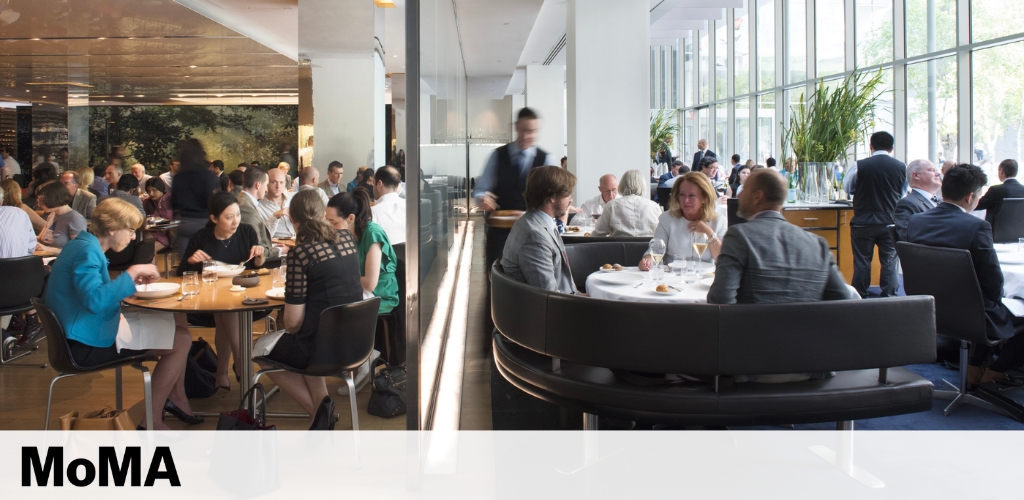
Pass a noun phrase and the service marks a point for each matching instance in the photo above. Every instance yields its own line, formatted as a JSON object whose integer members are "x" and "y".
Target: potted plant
{"x": 826, "y": 126}
{"x": 663, "y": 128}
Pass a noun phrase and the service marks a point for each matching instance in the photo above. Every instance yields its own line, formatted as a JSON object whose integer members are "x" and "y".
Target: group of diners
{"x": 340, "y": 256}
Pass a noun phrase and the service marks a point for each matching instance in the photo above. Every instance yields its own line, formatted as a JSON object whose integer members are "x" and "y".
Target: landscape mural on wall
{"x": 233, "y": 134}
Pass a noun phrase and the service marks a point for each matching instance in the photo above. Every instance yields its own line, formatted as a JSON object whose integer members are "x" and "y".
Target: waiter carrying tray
{"x": 499, "y": 191}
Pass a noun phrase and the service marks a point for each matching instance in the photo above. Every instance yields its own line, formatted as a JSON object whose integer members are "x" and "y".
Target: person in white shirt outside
{"x": 632, "y": 213}
{"x": 18, "y": 238}
{"x": 139, "y": 172}
{"x": 608, "y": 185}
{"x": 332, "y": 185}
{"x": 273, "y": 208}
{"x": 11, "y": 168}
{"x": 308, "y": 179}
{"x": 170, "y": 173}
{"x": 389, "y": 210}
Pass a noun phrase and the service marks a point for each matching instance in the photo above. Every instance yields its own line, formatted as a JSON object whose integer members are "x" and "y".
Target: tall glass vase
{"x": 818, "y": 181}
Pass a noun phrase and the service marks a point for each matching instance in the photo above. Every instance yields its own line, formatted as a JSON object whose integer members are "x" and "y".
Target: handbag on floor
{"x": 242, "y": 420}
{"x": 200, "y": 370}
{"x": 107, "y": 419}
{"x": 388, "y": 397}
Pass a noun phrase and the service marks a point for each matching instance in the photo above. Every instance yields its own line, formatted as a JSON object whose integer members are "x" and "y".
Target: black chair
{"x": 343, "y": 341}
{"x": 30, "y": 276}
{"x": 1009, "y": 223}
{"x": 664, "y": 197}
{"x": 585, "y": 259}
{"x": 65, "y": 365}
{"x": 142, "y": 252}
{"x": 947, "y": 274}
{"x": 732, "y": 209}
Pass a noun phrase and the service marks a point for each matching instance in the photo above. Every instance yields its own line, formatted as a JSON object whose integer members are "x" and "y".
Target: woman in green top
{"x": 350, "y": 211}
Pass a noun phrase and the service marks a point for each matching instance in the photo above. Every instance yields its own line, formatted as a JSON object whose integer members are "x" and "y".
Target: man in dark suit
{"x": 767, "y": 259}
{"x": 1010, "y": 188}
{"x": 670, "y": 174}
{"x": 877, "y": 185}
{"x": 702, "y": 151}
{"x": 950, "y": 225}
{"x": 925, "y": 181}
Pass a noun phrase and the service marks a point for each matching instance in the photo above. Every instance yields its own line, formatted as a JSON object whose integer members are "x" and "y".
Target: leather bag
{"x": 106, "y": 419}
{"x": 388, "y": 397}
{"x": 200, "y": 370}
{"x": 241, "y": 419}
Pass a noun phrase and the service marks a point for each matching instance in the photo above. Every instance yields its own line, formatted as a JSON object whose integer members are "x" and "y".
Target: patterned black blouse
{"x": 322, "y": 275}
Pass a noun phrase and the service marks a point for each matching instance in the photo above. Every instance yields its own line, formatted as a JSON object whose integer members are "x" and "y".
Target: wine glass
{"x": 190, "y": 283}
{"x": 700, "y": 245}
{"x": 596, "y": 214}
{"x": 656, "y": 250}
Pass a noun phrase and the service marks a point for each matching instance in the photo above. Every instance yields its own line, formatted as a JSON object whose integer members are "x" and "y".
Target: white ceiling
{"x": 494, "y": 33}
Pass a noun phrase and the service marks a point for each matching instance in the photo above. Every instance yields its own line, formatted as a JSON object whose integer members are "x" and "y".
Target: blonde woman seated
{"x": 691, "y": 210}
{"x": 632, "y": 213}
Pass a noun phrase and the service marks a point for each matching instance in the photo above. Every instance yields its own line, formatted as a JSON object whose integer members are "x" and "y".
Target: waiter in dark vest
{"x": 877, "y": 185}
{"x": 501, "y": 186}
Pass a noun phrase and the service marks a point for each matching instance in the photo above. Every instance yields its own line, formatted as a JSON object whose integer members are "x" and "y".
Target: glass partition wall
{"x": 949, "y": 70}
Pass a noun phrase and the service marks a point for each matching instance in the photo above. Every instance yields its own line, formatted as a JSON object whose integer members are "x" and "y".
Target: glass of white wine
{"x": 657, "y": 251}
{"x": 700, "y": 245}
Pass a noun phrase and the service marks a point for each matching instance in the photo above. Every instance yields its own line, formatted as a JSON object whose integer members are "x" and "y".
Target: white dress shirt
{"x": 17, "y": 238}
{"x": 279, "y": 227}
{"x": 631, "y": 215}
{"x": 589, "y": 207}
{"x": 850, "y": 178}
{"x": 323, "y": 195}
{"x": 389, "y": 213}
{"x": 12, "y": 166}
{"x": 167, "y": 177}
{"x": 333, "y": 189}
{"x": 676, "y": 233}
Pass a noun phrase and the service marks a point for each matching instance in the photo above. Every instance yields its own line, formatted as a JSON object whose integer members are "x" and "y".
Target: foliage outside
{"x": 833, "y": 119}
{"x": 664, "y": 126}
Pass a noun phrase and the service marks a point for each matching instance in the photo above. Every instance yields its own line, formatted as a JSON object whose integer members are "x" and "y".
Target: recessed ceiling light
{"x": 44, "y": 97}
{"x": 220, "y": 95}
{"x": 28, "y": 91}
{"x": 186, "y": 76}
{"x": 102, "y": 38}
{"x": 181, "y": 95}
{"x": 36, "y": 39}
{"x": 139, "y": 95}
{"x": 396, "y": 55}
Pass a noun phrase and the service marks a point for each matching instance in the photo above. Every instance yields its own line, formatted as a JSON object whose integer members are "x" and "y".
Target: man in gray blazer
{"x": 84, "y": 202}
{"x": 534, "y": 252}
{"x": 770, "y": 260}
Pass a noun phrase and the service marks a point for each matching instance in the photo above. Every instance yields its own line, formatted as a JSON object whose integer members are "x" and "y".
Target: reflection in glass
{"x": 721, "y": 129}
{"x": 995, "y": 18}
{"x": 687, "y": 143}
{"x": 830, "y": 37}
{"x": 688, "y": 56}
{"x": 766, "y": 44}
{"x": 721, "y": 60}
{"x": 796, "y": 41}
{"x": 703, "y": 67}
{"x": 882, "y": 118}
{"x": 741, "y": 51}
{"x": 874, "y": 32}
{"x": 931, "y": 26}
{"x": 932, "y": 110}
{"x": 998, "y": 107}
{"x": 742, "y": 144}
{"x": 703, "y": 117}
{"x": 765, "y": 127}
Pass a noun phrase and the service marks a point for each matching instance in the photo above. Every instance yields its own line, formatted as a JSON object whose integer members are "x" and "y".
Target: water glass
{"x": 690, "y": 276}
{"x": 209, "y": 271}
{"x": 278, "y": 276}
{"x": 1020, "y": 244}
{"x": 190, "y": 283}
{"x": 678, "y": 267}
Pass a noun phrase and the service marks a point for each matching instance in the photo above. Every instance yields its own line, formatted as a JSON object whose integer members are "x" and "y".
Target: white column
{"x": 545, "y": 95}
{"x": 607, "y": 57}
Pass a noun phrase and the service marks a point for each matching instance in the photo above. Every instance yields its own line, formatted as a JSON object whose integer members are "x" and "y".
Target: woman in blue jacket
{"x": 88, "y": 304}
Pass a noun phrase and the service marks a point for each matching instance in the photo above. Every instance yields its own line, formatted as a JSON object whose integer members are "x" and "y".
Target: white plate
{"x": 618, "y": 278}
{"x": 671, "y": 291}
{"x": 275, "y": 293}
{"x": 228, "y": 271}
{"x": 156, "y": 290}
{"x": 1011, "y": 258}
{"x": 707, "y": 282}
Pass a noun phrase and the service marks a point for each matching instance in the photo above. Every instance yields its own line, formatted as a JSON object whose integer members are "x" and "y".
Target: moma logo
{"x": 82, "y": 472}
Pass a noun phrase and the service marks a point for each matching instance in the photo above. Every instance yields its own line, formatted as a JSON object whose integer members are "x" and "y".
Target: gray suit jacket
{"x": 770, "y": 260}
{"x": 911, "y": 204}
{"x": 84, "y": 202}
{"x": 326, "y": 187}
{"x": 534, "y": 254}
{"x": 251, "y": 216}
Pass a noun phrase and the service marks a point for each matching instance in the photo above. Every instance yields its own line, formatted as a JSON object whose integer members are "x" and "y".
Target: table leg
{"x": 245, "y": 354}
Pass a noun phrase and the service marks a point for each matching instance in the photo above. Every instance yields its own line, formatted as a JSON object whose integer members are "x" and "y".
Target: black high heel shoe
{"x": 173, "y": 409}
{"x": 323, "y": 419}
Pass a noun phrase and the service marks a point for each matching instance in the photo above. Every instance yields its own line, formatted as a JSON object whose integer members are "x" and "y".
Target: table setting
{"x": 673, "y": 279}
{"x": 1011, "y": 262}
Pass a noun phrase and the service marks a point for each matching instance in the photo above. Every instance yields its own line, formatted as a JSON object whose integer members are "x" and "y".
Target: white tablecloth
{"x": 691, "y": 293}
{"x": 1013, "y": 276}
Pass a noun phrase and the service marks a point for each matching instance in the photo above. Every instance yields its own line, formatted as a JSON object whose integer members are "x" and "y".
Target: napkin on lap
{"x": 143, "y": 330}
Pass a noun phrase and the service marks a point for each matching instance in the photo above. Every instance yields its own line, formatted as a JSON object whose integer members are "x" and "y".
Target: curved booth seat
{"x": 585, "y": 258}
{"x": 564, "y": 349}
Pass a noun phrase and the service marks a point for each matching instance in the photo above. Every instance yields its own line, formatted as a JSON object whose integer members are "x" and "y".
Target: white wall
{"x": 345, "y": 104}
{"x": 490, "y": 120}
{"x": 545, "y": 94}
{"x": 607, "y": 57}
{"x": 518, "y": 103}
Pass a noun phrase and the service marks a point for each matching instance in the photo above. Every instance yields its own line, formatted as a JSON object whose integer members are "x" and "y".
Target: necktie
{"x": 935, "y": 200}
{"x": 559, "y": 226}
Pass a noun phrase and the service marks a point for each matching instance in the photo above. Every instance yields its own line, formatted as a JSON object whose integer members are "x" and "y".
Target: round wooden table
{"x": 216, "y": 298}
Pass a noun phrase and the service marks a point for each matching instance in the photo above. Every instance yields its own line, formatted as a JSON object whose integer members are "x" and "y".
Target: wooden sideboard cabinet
{"x": 831, "y": 222}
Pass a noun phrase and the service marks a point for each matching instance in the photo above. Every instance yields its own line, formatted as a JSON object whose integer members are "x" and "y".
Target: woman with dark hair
{"x": 194, "y": 184}
{"x": 377, "y": 261}
{"x": 224, "y": 239}
{"x": 322, "y": 272}
{"x": 741, "y": 177}
{"x": 63, "y": 224}
{"x": 41, "y": 174}
{"x": 367, "y": 182}
{"x": 158, "y": 204}
{"x": 88, "y": 304}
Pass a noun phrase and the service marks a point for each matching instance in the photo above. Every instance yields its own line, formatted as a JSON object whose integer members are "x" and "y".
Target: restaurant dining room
{"x": 603, "y": 235}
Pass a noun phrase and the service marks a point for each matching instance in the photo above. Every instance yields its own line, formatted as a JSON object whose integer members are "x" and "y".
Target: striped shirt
{"x": 16, "y": 236}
